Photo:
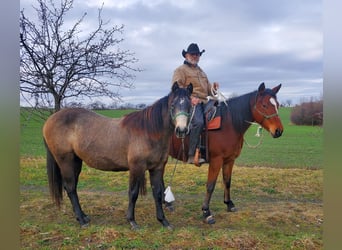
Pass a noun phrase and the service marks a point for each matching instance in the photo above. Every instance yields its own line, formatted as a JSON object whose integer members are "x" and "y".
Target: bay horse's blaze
{"x": 225, "y": 144}
{"x": 137, "y": 142}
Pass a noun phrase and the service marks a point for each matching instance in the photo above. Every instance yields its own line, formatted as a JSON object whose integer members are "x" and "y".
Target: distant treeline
{"x": 308, "y": 113}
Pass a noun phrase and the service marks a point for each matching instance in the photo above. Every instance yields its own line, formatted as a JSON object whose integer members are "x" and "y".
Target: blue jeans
{"x": 196, "y": 128}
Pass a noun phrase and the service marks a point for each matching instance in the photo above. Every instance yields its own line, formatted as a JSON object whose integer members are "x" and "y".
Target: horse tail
{"x": 54, "y": 177}
{"x": 142, "y": 188}
{"x": 138, "y": 179}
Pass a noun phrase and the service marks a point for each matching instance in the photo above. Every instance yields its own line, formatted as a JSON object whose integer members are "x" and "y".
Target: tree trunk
{"x": 57, "y": 103}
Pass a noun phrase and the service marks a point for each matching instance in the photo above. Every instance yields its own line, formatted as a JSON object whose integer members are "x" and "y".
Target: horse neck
{"x": 240, "y": 111}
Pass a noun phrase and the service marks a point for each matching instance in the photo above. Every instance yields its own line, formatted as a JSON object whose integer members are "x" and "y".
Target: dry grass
{"x": 278, "y": 209}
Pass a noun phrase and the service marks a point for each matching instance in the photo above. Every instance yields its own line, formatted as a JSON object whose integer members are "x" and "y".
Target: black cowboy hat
{"x": 193, "y": 49}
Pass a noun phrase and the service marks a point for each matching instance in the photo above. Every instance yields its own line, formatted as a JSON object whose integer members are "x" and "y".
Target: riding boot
{"x": 194, "y": 142}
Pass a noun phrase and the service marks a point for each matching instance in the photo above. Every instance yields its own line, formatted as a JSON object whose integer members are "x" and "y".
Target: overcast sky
{"x": 246, "y": 42}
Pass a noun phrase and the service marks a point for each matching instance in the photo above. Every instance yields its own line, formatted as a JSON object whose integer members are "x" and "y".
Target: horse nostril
{"x": 278, "y": 133}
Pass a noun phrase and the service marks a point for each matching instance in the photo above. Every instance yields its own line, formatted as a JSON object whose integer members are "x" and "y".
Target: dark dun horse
{"x": 225, "y": 144}
{"x": 136, "y": 142}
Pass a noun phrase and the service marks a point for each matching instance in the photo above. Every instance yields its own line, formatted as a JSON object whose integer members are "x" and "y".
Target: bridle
{"x": 265, "y": 116}
{"x": 174, "y": 116}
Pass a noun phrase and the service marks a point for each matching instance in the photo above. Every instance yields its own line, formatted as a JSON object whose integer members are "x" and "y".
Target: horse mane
{"x": 240, "y": 111}
{"x": 149, "y": 120}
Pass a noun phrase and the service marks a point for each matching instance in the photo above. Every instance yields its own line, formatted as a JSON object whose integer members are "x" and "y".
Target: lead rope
{"x": 169, "y": 197}
{"x": 254, "y": 146}
{"x": 260, "y": 140}
{"x": 179, "y": 152}
{"x": 191, "y": 117}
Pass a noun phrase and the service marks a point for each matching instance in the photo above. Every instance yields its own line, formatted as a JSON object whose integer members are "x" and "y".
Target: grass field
{"x": 277, "y": 188}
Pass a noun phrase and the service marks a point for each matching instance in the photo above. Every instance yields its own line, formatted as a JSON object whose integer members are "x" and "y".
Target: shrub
{"x": 308, "y": 113}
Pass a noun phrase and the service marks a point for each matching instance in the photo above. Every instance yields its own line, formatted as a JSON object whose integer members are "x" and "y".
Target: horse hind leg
{"x": 71, "y": 167}
{"x": 227, "y": 179}
{"x": 213, "y": 172}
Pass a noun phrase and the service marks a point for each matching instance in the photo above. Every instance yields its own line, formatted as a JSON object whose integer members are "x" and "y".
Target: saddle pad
{"x": 215, "y": 123}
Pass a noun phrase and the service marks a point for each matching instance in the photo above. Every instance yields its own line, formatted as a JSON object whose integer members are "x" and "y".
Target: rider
{"x": 190, "y": 72}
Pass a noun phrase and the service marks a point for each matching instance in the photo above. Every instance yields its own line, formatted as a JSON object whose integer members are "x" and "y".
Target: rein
{"x": 217, "y": 95}
{"x": 174, "y": 169}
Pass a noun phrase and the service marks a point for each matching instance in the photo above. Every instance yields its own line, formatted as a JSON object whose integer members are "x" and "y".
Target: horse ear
{"x": 276, "y": 89}
{"x": 261, "y": 87}
{"x": 190, "y": 88}
{"x": 175, "y": 86}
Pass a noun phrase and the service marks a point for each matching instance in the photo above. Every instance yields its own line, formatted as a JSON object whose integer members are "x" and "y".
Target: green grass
{"x": 278, "y": 209}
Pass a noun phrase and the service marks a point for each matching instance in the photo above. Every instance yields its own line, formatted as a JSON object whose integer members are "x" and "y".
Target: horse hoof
{"x": 230, "y": 206}
{"x": 86, "y": 219}
{"x": 210, "y": 220}
{"x": 134, "y": 225}
{"x": 84, "y": 222}
{"x": 232, "y": 209}
{"x": 170, "y": 227}
{"x": 85, "y": 225}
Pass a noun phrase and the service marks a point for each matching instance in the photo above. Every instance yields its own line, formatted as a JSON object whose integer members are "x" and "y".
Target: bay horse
{"x": 225, "y": 144}
{"x": 136, "y": 142}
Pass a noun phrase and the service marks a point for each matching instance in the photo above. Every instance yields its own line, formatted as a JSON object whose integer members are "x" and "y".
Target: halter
{"x": 265, "y": 116}
{"x": 173, "y": 117}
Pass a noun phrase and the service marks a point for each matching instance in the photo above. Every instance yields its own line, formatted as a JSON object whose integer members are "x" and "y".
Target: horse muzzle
{"x": 277, "y": 133}
{"x": 181, "y": 132}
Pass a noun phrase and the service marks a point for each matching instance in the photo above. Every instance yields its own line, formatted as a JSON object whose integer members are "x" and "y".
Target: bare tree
{"x": 59, "y": 62}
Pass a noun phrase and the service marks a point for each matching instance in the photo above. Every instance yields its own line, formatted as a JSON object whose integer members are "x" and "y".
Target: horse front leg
{"x": 213, "y": 171}
{"x": 158, "y": 187}
{"x": 227, "y": 180}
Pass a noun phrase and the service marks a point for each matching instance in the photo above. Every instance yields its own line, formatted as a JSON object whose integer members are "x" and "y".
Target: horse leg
{"x": 135, "y": 183}
{"x": 213, "y": 171}
{"x": 157, "y": 184}
{"x": 71, "y": 167}
{"x": 227, "y": 179}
